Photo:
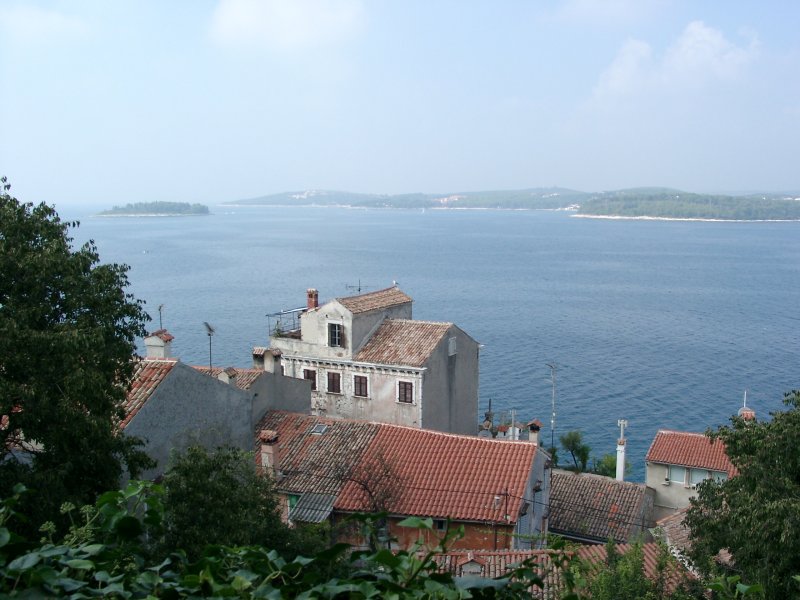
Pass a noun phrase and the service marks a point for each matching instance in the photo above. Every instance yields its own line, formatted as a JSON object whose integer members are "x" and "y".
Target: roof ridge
{"x": 448, "y": 323}
{"x": 386, "y": 289}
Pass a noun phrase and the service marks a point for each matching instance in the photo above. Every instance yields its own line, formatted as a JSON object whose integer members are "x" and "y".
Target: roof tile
{"x": 403, "y": 342}
{"x": 689, "y": 450}
{"x": 385, "y": 298}
{"x": 147, "y": 375}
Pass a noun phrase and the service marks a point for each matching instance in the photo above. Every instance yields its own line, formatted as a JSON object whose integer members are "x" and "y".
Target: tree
{"x": 607, "y": 466}
{"x": 755, "y": 515}
{"x": 572, "y": 442}
{"x": 67, "y": 334}
{"x": 219, "y": 498}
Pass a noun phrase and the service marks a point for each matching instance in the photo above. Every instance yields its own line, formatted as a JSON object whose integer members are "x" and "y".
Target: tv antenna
{"x": 210, "y": 331}
{"x": 160, "y": 324}
{"x": 553, "y": 369}
{"x": 357, "y": 288}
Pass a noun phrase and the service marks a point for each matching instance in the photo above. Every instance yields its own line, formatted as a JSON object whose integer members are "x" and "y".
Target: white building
{"x": 368, "y": 359}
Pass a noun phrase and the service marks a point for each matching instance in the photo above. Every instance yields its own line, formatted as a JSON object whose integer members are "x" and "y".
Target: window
{"x": 311, "y": 375}
{"x": 718, "y": 476}
{"x": 360, "y": 386}
{"x": 697, "y": 475}
{"x": 335, "y": 335}
{"x": 334, "y": 383}
{"x": 440, "y": 524}
{"x": 405, "y": 392}
{"x": 677, "y": 474}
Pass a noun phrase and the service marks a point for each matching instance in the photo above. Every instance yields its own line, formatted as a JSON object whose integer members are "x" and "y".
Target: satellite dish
{"x": 209, "y": 329}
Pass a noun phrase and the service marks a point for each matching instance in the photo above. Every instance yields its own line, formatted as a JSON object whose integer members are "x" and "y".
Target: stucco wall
{"x": 450, "y": 386}
{"x": 669, "y": 499}
{"x": 189, "y": 408}
{"x": 529, "y": 526}
{"x": 273, "y": 391}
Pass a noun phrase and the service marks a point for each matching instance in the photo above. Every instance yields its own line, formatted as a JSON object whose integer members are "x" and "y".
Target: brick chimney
{"x": 269, "y": 451}
{"x": 312, "y": 296}
{"x": 159, "y": 344}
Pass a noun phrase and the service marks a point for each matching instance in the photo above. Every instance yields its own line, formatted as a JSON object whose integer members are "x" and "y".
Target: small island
{"x": 156, "y": 209}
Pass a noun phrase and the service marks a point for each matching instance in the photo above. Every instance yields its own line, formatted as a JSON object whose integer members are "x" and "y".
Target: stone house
{"x": 366, "y": 358}
{"x": 677, "y": 462}
{"x": 172, "y": 405}
{"x": 592, "y": 509}
{"x": 328, "y": 469}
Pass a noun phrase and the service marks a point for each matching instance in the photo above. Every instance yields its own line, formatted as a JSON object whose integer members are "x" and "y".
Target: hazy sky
{"x": 215, "y": 100}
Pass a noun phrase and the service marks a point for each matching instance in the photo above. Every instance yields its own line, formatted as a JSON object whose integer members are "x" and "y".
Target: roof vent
{"x": 319, "y": 429}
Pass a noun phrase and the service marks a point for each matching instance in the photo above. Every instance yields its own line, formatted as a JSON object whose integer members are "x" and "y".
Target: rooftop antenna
{"x": 553, "y": 370}
{"x": 160, "y": 324}
{"x": 210, "y": 331}
{"x": 357, "y": 288}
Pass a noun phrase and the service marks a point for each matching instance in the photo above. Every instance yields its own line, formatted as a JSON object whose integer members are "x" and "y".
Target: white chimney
{"x": 227, "y": 376}
{"x": 159, "y": 344}
{"x": 621, "y": 450}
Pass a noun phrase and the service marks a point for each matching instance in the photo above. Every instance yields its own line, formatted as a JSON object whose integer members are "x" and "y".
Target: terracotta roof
{"x": 163, "y": 335}
{"x": 438, "y": 474}
{"x": 403, "y": 342}
{"x": 315, "y": 463}
{"x": 689, "y": 450}
{"x": 243, "y": 378}
{"x": 385, "y": 298}
{"x": 675, "y": 533}
{"x": 259, "y": 350}
{"x": 588, "y": 506}
{"x": 446, "y": 475}
{"x": 147, "y": 375}
{"x": 497, "y": 563}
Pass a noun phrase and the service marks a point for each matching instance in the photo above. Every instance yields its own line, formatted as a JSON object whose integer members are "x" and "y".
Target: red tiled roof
{"x": 385, "y": 298}
{"x": 147, "y": 375}
{"x": 438, "y": 474}
{"x": 315, "y": 463}
{"x": 243, "y": 378}
{"x": 497, "y": 563}
{"x": 446, "y": 475}
{"x": 585, "y": 505}
{"x": 259, "y": 350}
{"x": 163, "y": 335}
{"x": 403, "y": 342}
{"x": 689, "y": 450}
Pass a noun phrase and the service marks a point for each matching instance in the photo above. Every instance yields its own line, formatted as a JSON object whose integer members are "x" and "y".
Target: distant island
{"x": 156, "y": 209}
{"x": 641, "y": 203}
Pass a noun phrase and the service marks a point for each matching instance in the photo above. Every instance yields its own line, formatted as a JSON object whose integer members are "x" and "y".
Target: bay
{"x": 662, "y": 323}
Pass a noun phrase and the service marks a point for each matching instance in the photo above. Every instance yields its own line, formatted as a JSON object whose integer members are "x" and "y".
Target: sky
{"x": 105, "y": 103}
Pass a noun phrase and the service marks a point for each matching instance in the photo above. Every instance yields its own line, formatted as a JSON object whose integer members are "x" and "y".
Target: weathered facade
{"x": 366, "y": 358}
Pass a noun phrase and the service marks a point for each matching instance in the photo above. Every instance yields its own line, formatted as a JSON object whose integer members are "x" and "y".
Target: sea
{"x": 664, "y": 324}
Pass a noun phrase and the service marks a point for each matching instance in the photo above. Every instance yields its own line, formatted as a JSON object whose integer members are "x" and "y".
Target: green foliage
{"x": 607, "y": 466}
{"x": 219, "y": 498}
{"x": 646, "y": 202}
{"x": 623, "y": 577}
{"x": 158, "y": 208}
{"x": 108, "y": 556}
{"x": 67, "y": 335}
{"x": 756, "y": 514}
{"x": 572, "y": 442}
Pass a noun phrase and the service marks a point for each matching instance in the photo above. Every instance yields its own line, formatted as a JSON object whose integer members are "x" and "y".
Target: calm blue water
{"x": 661, "y": 323}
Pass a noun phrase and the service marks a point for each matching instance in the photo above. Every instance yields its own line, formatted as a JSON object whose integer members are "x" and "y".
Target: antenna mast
{"x": 210, "y": 331}
{"x": 553, "y": 369}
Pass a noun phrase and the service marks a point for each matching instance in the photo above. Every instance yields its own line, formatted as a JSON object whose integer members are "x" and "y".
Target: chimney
{"x": 228, "y": 376}
{"x": 746, "y": 413}
{"x": 534, "y": 428}
{"x": 621, "y": 450}
{"x": 312, "y": 296}
{"x": 272, "y": 361}
{"x": 258, "y": 357}
{"x": 269, "y": 451}
{"x": 159, "y": 344}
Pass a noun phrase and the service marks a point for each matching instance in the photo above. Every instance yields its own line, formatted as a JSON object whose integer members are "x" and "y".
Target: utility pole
{"x": 210, "y": 331}
{"x": 553, "y": 369}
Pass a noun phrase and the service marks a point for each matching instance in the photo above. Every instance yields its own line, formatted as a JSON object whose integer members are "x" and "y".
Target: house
{"x": 677, "y": 461}
{"x": 366, "y": 358}
{"x": 548, "y": 565}
{"x": 592, "y": 509}
{"x": 172, "y": 405}
{"x": 328, "y": 469}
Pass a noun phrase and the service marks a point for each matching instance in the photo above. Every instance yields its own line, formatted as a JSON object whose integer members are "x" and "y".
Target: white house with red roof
{"x": 368, "y": 359}
{"x": 677, "y": 462}
{"x": 327, "y": 469}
